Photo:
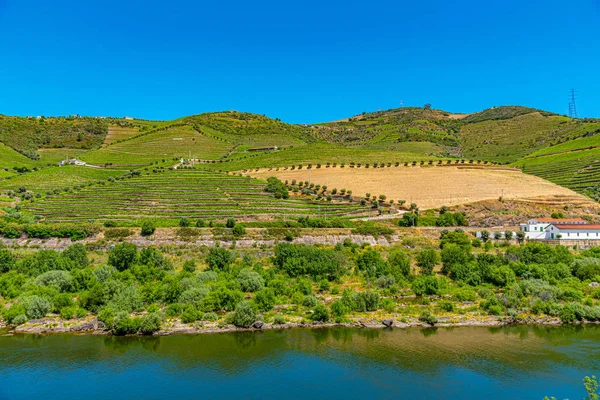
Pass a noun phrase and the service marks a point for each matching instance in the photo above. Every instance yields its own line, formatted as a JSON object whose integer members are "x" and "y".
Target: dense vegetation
{"x": 27, "y": 135}
{"x": 137, "y": 290}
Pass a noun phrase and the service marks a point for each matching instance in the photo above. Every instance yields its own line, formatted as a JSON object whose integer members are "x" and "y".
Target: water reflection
{"x": 380, "y": 358}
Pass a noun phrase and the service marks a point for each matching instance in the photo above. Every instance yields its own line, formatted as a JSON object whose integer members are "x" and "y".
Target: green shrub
{"x": 298, "y": 260}
{"x": 250, "y": 281}
{"x": 399, "y": 263}
{"x": 309, "y": 301}
{"x": 104, "y": 272}
{"x": 36, "y": 306}
{"x": 446, "y": 306}
{"x": 148, "y": 227}
{"x": 7, "y": 261}
{"x": 20, "y": 319}
{"x": 495, "y": 309}
{"x": 117, "y": 233}
{"x": 428, "y": 285}
{"x": 238, "y": 230}
{"x": 189, "y": 266}
{"x": 14, "y": 311}
{"x": 222, "y": 298}
{"x": 427, "y": 260}
{"x": 320, "y": 313}
{"x": 62, "y": 300}
{"x": 68, "y": 312}
{"x": 385, "y": 282}
{"x": 277, "y": 187}
{"x": 567, "y": 314}
{"x": 184, "y": 222}
{"x": 207, "y": 276}
{"x": 150, "y": 323}
{"x": 265, "y": 299}
{"x": 210, "y": 316}
{"x": 372, "y": 264}
{"x": 279, "y": 320}
{"x": 124, "y": 324}
{"x": 365, "y": 301}
{"x": 388, "y": 305}
{"x": 78, "y": 254}
{"x": 338, "y": 309}
{"x": 219, "y": 258}
{"x": 464, "y": 295}
{"x": 123, "y": 256}
{"x": 244, "y": 315}
{"x": 194, "y": 296}
{"x": 189, "y": 315}
{"x": 427, "y": 317}
{"x": 61, "y": 280}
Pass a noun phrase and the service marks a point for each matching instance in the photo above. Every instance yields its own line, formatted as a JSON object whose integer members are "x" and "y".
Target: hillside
{"x": 429, "y": 186}
{"x": 563, "y": 151}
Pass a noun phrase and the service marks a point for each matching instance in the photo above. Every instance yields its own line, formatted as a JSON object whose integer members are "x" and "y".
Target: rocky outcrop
{"x": 57, "y": 325}
{"x": 388, "y": 322}
{"x": 258, "y": 325}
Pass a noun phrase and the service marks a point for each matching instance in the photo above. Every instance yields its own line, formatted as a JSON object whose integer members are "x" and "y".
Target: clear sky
{"x": 301, "y": 61}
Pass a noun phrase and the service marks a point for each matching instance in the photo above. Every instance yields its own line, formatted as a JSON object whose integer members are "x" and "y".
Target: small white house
{"x": 536, "y": 228}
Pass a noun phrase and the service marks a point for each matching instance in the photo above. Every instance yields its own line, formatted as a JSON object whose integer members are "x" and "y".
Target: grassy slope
{"x": 9, "y": 158}
{"x": 321, "y": 152}
{"x": 436, "y": 130}
{"x": 509, "y": 140}
{"x": 524, "y": 136}
{"x": 174, "y": 142}
{"x": 58, "y": 178}
{"x": 26, "y": 135}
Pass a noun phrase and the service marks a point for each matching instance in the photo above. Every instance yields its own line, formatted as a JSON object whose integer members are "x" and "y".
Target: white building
{"x": 536, "y": 228}
{"x": 574, "y": 232}
{"x": 563, "y": 228}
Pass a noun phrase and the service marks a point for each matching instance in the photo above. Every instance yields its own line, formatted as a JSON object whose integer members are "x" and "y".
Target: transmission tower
{"x": 572, "y": 106}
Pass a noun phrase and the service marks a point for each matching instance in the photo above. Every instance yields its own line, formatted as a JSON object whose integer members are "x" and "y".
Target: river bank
{"x": 91, "y": 325}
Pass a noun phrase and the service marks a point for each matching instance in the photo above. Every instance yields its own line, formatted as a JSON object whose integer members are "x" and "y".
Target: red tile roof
{"x": 585, "y": 227}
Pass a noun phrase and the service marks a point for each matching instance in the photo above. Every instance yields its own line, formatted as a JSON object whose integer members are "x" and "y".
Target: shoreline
{"x": 86, "y": 326}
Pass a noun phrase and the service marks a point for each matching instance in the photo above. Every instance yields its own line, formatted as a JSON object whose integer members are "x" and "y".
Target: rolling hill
{"x": 553, "y": 147}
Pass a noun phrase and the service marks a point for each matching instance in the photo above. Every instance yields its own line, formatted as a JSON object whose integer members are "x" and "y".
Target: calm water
{"x": 459, "y": 363}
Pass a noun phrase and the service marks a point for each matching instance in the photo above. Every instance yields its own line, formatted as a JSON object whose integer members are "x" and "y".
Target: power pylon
{"x": 572, "y": 106}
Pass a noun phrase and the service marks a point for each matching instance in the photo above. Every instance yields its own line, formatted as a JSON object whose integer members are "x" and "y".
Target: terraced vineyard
{"x": 174, "y": 194}
{"x": 577, "y": 170}
{"x": 176, "y": 141}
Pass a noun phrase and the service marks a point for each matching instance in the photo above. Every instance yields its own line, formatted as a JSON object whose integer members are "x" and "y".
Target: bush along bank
{"x": 148, "y": 291}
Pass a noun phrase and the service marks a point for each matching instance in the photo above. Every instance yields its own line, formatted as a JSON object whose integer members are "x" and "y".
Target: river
{"x": 521, "y": 362}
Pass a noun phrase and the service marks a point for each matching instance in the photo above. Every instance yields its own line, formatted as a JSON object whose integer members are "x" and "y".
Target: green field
{"x": 319, "y": 153}
{"x": 9, "y": 158}
{"x": 174, "y": 142}
{"x": 58, "y": 178}
{"x": 174, "y": 194}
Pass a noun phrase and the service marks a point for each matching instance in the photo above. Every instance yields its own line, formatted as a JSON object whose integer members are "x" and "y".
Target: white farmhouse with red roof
{"x": 560, "y": 228}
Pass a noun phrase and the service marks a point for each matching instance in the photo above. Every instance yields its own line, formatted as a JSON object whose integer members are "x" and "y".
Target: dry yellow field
{"x": 429, "y": 187}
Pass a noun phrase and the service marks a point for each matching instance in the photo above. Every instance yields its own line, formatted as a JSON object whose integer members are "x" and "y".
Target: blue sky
{"x": 305, "y": 61}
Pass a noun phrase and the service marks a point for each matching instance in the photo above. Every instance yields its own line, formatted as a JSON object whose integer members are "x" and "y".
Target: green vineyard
{"x": 184, "y": 193}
